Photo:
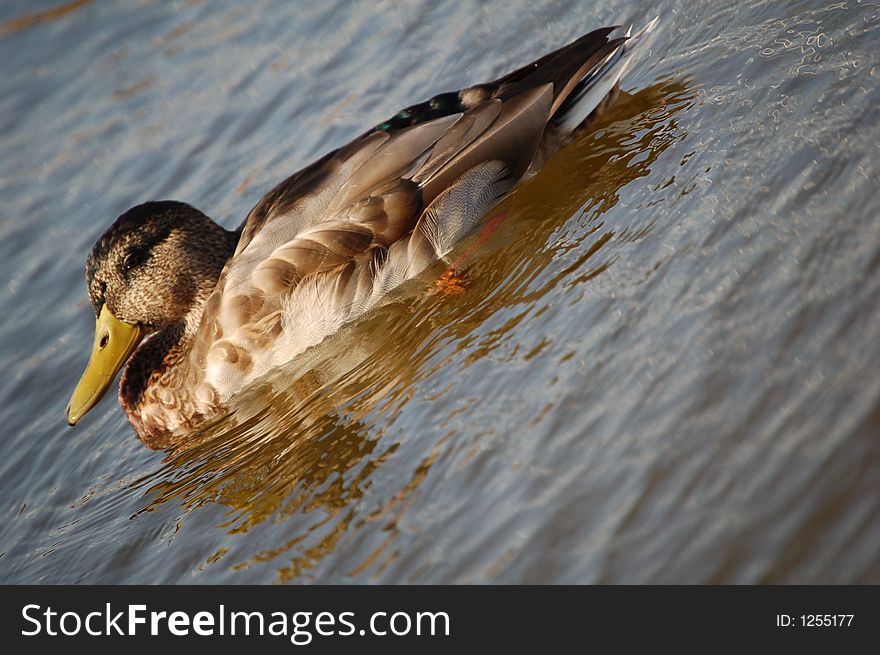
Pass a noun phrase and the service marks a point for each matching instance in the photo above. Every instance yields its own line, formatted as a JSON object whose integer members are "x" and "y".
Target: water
{"x": 664, "y": 368}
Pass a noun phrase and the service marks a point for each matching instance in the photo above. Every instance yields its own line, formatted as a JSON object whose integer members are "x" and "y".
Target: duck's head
{"x": 152, "y": 268}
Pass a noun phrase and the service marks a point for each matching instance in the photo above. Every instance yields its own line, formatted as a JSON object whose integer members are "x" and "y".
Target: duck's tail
{"x": 586, "y": 94}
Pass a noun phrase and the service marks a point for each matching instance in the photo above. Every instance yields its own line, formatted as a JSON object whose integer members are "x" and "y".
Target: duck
{"x": 193, "y": 313}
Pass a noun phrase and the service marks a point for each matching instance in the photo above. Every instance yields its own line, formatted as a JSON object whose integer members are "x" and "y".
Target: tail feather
{"x": 564, "y": 68}
{"x": 592, "y": 89}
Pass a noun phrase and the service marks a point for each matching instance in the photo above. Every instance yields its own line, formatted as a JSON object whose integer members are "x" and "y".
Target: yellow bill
{"x": 114, "y": 342}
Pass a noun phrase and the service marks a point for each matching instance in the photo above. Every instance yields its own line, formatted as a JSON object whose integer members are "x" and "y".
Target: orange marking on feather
{"x": 491, "y": 226}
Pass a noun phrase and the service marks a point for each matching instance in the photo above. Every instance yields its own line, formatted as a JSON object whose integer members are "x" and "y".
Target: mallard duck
{"x": 195, "y": 313}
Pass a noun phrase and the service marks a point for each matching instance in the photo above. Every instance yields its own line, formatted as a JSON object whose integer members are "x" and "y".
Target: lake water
{"x": 664, "y": 370}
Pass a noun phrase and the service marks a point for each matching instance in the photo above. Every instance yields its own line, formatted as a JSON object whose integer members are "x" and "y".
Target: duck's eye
{"x": 134, "y": 259}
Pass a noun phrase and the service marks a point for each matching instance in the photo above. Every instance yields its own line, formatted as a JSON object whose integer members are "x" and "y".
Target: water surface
{"x": 664, "y": 368}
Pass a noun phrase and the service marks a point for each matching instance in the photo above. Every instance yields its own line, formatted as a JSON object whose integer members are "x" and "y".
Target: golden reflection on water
{"x": 45, "y": 16}
{"x": 308, "y": 440}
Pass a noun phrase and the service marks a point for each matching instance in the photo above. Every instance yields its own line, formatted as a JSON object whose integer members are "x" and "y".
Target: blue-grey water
{"x": 664, "y": 368}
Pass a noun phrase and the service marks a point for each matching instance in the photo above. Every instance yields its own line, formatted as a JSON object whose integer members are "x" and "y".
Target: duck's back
{"x": 329, "y": 242}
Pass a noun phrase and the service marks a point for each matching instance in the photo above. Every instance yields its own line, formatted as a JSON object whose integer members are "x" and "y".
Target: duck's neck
{"x": 157, "y": 383}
